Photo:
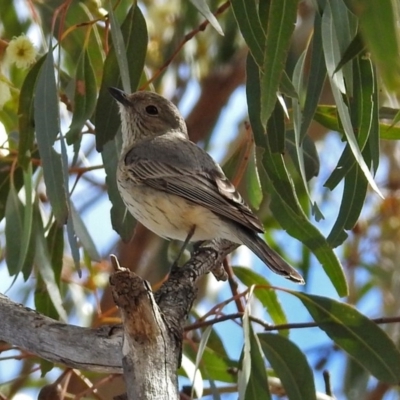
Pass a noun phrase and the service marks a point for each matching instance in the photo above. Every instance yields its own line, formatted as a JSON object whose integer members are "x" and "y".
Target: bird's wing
{"x": 208, "y": 188}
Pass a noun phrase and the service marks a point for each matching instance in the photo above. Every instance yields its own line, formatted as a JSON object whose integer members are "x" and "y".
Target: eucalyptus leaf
{"x": 203, "y": 8}
{"x": 290, "y": 365}
{"x": 46, "y": 116}
{"x": 134, "y": 33}
{"x": 361, "y": 338}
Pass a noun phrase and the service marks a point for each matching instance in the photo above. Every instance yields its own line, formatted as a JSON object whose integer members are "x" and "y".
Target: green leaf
{"x": 257, "y": 387}
{"x": 43, "y": 264}
{"x": 361, "y": 338}
{"x": 298, "y": 226}
{"x": 84, "y": 235}
{"x": 354, "y": 192}
{"x": 316, "y": 78}
{"x": 327, "y": 117}
{"x": 5, "y": 185}
{"x": 134, "y": 32}
{"x": 290, "y": 365}
{"x": 246, "y": 15}
{"x": 362, "y": 108}
{"x": 267, "y": 297}
{"x": 252, "y": 381}
{"x": 26, "y": 243}
{"x": 355, "y": 48}
{"x": 284, "y": 202}
{"x": 121, "y": 219}
{"x": 55, "y": 245}
{"x": 381, "y": 16}
{"x": 203, "y": 8}
{"x": 43, "y": 303}
{"x": 298, "y": 74}
{"x": 332, "y": 58}
{"x": 47, "y": 127}
{"x": 310, "y": 154}
{"x": 20, "y": 238}
{"x": 26, "y": 115}
{"x": 213, "y": 364}
{"x": 120, "y": 49}
{"x": 281, "y": 22}
{"x": 84, "y": 99}
{"x": 14, "y": 222}
{"x": 345, "y": 29}
{"x": 202, "y": 346}
{"x": 356, "y": 186}
{"x": 286, "y": 86}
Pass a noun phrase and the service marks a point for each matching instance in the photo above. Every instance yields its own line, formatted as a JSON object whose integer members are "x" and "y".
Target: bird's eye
{"x": 152, "y": 110}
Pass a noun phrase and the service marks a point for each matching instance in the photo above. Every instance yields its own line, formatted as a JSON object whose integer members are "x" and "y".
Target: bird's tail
{"x": 269, "y": 256}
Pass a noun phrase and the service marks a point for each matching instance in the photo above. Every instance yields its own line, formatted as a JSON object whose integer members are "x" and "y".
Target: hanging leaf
{"x": 332, "y": 58}
{"x": 281, "y": 22}
{"x": 203, "y": 8}
{"x": 368, "y": 344}
{"x": 121, "y": 219}
{"x": 46, "y": 116}
{"x": 290, "y": 365}
{"x": 84, "y": 98}
{"x": 26, "y": 123}
{"x": 284, "y": 202}
{"x": 134, "y": 33}
{"x": 381, "y": 16}
{"x": 246, "y": 14}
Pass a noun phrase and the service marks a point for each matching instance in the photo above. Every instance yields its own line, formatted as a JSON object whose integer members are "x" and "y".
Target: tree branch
{"x": 99, "y": 349}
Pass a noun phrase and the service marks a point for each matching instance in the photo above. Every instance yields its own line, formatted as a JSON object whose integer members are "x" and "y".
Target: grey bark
{"x": 146, "y": 349}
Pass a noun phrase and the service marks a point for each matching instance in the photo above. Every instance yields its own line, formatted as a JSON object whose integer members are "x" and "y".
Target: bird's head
{"x": 146, "y": 115}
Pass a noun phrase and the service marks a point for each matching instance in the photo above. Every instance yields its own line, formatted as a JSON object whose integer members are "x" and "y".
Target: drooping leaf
{"x": 297, "y": 116}
{"x": 26, "y": 123}
{"x": 246, "y": 14}
{"x": 361, "y": 338}
{"x": 316, "y": 78}
{"x": 44, "y": 266}
{"x": 134, "y": 32}
{"x": 356, "y": 47}
{"x": 281, "y": 22}
{"x": 332, "y": 58}
{"x": 121, "y": 219}
{"x": 202, "y": 346}
{"x": 284, "y": 202}
{"x": 26, "y": 239}
{"x": 310, "y": 154}
{"x": 213, "y": 364}
{"x": 84, "y": 98}
{"x": 252, "y": 380}
{"x": 257, "y": 387}
{"x": 290, "y": 365}
{"x": 355, "y": 187}
{"x": 381, "y": 16}
{"x": 84, "y": 235}
{"x": 120, "y": 49}
{"x": 14, "y": 225}
{"x": 203, "y": 8}
{"x": 55, "y": 245}
{"x": 46, "y": 116}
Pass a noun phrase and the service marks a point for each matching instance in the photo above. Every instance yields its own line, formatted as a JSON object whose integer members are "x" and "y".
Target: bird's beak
{"x": 120, "y": 96}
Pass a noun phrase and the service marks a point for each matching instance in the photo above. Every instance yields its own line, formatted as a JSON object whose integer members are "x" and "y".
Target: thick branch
{"x": 82, "y": 348}
{"x": 97, "y": 349}
{"x": 153, "y": 325}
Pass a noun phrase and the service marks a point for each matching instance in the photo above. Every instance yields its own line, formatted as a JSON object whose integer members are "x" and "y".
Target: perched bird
{"x": 174, "y": 188}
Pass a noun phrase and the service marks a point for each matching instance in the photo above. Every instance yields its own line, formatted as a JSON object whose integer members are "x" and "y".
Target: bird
{"x": 175, "y": 188}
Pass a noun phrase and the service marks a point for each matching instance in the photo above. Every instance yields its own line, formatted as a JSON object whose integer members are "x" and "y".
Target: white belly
{"x": 171, "y": 216}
